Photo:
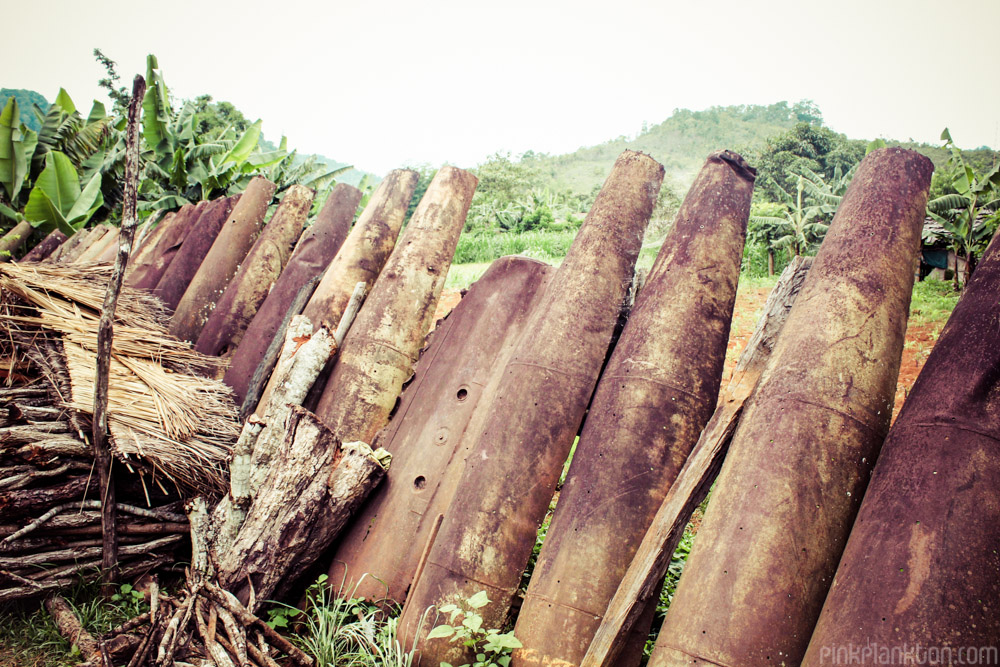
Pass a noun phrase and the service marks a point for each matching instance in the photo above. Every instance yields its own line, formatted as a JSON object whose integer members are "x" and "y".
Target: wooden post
{"x": 105, "y": 332}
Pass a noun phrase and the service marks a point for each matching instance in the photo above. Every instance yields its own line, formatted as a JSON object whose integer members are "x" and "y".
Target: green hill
{"x": 25, "y": 101}
{"x": 680, "y": 143}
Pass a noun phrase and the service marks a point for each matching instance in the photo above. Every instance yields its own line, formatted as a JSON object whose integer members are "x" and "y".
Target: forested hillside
{"x": 680, "y": 143}
{"x": 25, "y": 100}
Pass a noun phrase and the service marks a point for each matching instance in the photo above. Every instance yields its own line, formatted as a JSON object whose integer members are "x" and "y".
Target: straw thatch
{"x": 165, "y": 416}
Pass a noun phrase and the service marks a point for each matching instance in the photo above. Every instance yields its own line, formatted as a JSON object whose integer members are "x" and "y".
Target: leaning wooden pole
{"x": 641, "y": 584}
{"x": 656, "y": 393}
{"x": 105, "y": 332}
{"x": 799, "y": 462}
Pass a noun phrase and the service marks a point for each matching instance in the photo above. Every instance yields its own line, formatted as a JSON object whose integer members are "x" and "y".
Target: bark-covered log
{"x": 223, "y": 260}
{"x": 68, "y": 245}
{"x": 257, "y": 273}
{"x": 313, "y": 480}
{"x": 70, "y": 627}
{"x": 46, "y": 247}
{"x": 13, "y": 240}
{"x": 313, "y": 254}
{"x": 188, "y": 258}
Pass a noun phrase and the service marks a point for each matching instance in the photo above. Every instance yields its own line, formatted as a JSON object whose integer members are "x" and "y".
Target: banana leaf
{"x": 57, "y": 201}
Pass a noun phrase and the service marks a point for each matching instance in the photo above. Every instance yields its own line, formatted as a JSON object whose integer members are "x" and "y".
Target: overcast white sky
{"x": 401, "y": 83}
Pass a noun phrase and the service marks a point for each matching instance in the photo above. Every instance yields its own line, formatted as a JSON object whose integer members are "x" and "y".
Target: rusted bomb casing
{"x": 257, "y": 273}
{"x": 361, "y": 258}
{"x": 365, "y": 250}
{"x": 488, "y": 531}
{"x": 155, "y": 256}
{"x": 148, "y": 236}
{"x": 434, "y": 427}
{"x": 378, "y": 352}
{"x": 94, "y": 252}
{"x": 312, "y": 255}
{"x": 655, "y": 396}
{"x": 921, "y": 565}
{"x": 110, "y": 251}
{"x": 46, "y": 247}
{"x": 188, "y": 258}
{"x": 382, "y": 346}
{"x": 93, "y": 235}
{"x": 799, "y": 461}
{"x": 68, "y": 245}
{"x": 230, "y": 247}
{"x": 15, "y": 239}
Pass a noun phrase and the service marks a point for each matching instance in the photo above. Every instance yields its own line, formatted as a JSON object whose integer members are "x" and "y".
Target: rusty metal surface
{"x": 89, "y": 238}
{"x": 802, "y": 455}
{"x": 63, "y": 250}
{"x": 155, "y": 255}
{"x": 434, "y": 427}
{"x": 46, "y": 247}
{"x": 382, "y": 346}
{"x": 361, "y": 258}
{"x": 188, "y": 257}
{"x": 95, "y": 251}
{"x": 921, "y": 565}
{"x": 655, "y": 395}
{"x": 257, "y": 273}
{"x": 488, "y": 531}
{"x": 365, "y": 250}
{"x": 312, "y": 255}
{"x": 231, "y": 246}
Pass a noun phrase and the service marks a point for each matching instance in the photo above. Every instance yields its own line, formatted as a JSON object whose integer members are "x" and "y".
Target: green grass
{"x": 486, "y": 247}
{"x": 932, "y": 302}
{"x": 28, "y": 635}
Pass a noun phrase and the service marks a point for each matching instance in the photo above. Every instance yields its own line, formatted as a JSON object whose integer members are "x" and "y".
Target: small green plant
{"x": 131, "y": 602}
{"x": 492, "y": 648}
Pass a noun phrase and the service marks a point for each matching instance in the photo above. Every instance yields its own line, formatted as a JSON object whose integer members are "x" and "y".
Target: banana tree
{"x": 17, "y": 145}
{"x": 181, "y": 167}
{"x": 57, "y": 201}
{"x": 969, "y": 216}
{"x": 803, "y": 224}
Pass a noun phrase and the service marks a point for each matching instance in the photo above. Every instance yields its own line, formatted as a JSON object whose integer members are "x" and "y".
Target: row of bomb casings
{"x": 521, "y": 350}
{"x": 481, "y": 433}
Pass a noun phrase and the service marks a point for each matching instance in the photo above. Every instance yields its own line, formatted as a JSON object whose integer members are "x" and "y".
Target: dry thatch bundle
{"x": 164, "y": 414}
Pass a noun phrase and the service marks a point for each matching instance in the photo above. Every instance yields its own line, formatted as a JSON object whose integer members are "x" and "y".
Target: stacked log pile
{"x": 164, "y": 443}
